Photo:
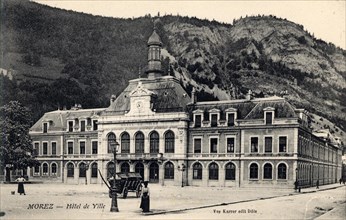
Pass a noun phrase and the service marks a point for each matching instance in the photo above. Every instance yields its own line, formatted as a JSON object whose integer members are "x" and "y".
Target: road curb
{"x": 236, "y": 202}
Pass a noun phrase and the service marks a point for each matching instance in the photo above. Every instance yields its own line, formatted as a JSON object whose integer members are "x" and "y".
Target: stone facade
{"x": 171, "y": 139}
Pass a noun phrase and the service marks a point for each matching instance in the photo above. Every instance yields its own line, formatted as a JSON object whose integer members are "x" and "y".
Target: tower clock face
{"x": 139, "y": 105}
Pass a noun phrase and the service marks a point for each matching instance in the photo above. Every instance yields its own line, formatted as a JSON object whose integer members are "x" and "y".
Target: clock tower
{"x": 141, "y": 101}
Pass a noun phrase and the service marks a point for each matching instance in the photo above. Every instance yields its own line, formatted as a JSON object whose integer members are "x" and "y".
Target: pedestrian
{"x": 295, "y": 185}
{"x": 317, "y": 184}
{"x": 21, "y": 181}
{"x": 145, "y": 199}
{"x": 343, "y": 181}
{"x": 340, "y": 181}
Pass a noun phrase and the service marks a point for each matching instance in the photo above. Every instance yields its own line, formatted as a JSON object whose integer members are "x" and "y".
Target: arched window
{"x": 53, "y": 169}
{"x": 197, "y": 171}
{"x": 70, "y": 170}
{"x": 82, "y": 170}
{"x": 110, "y": 169}
{"x": 230, "y": 171}
{"x": 169, "y": 142}
{"x": 253, "y": 171}
{"x": 169, "y": 170}
{"x": 125, "y": 168}
{"x": 154, "y": 142}
{"x": 267, "y": 171}
{"x": 213, "y": 171}
{"x": 45, "y": 169}
{"x": 94, "y": 170}
{"x": 125, "y": 143}
{"x": 139, "y": 142}
{"x": 111, "y": 140}
{"x": 139, "y": 168}
{"x": 282, "y": 171}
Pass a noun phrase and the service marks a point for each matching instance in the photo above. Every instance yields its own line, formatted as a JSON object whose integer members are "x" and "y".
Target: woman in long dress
{"x": 21, "y": 181}
{"x": 145, "y": 199}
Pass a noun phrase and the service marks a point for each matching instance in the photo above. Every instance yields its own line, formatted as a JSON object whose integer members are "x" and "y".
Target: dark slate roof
{"x": 169, "y": 95}
{"x": 247, "y": 109}
{"x": 58, "y": 119}
{"x": 283, "y": 109}
{"x": 154, "y": 39}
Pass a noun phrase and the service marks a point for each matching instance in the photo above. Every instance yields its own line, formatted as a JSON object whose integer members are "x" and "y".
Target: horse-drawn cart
{"x": 127, "y": 182}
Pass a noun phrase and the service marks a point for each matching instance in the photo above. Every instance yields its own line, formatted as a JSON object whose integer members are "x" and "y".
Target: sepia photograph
{"x": 178, "y": 109}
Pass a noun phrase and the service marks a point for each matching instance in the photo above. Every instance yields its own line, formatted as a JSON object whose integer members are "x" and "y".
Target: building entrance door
{"x": 154, "y": 173}
{"x": 139, "y": 168}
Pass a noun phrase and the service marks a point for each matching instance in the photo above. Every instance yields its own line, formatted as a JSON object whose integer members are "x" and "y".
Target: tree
{"x": 15, "y": 144}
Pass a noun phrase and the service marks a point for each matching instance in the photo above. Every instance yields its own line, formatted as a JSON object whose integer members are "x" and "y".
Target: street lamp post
{"x": 86, "y": 173}
{"x": 182, "y": 169}
{"x": 114, "y": 206}
{"x": 160, "y": 160}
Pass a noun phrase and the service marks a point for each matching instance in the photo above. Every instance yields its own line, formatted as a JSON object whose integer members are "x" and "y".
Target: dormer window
{"x": 198, "y": 121}
{"x": 214, "y": 117}
{"x": 45, "y": 127}
{"x": 82, "y": 125}
{"x": 70, "y": 126}
{"x": 269, "y": 115}
{"x": 269, "y": 118}
{"x": 95, "y": 125}
{"x": 230, "y": 119}
{"x": 231, "y": 116}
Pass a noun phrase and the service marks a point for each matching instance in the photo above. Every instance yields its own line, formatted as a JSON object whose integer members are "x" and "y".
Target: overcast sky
{"x": 325, "y": 19}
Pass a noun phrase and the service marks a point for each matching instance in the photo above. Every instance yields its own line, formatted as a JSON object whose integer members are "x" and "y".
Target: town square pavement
{"x": 61, "y": 201}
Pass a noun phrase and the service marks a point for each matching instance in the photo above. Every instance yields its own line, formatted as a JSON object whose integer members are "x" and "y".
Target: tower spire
{"x": 154, "y": 55}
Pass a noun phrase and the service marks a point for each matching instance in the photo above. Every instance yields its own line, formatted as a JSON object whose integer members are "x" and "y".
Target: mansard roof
{"x": 248, "y": 109}
{"x": 168, "y": 95}
{"x": 58, "y": 119}
{"x": 282, "y": 109}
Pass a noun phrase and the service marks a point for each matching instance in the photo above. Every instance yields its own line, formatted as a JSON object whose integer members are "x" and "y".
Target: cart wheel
{"x": 125, "y": 193}
{"x": 138, "y": 191}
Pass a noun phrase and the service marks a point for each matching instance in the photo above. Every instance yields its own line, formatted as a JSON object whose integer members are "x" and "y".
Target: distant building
{"x": 252, "y": 142}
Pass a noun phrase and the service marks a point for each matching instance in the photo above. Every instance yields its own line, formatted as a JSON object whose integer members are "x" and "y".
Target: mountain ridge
{"x": 86, "y": 58}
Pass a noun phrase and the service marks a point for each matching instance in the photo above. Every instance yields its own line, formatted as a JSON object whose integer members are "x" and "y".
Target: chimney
{"x": 249, "y": 95}
{"x": 193, "y": 95}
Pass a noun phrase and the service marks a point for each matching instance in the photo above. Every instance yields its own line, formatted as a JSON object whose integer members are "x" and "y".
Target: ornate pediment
{"x": 140, "y": 91}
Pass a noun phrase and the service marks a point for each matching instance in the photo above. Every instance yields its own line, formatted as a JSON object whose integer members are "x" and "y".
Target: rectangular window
{"x": 53, "y": 148}
{"x": 95, "y": 125}
{"x": 230, "y": 119}
{"x": 94, "y": 147}
{"x": 198, "y": 121}
{"x": 230, "y": 145}
{"x": 282, "y": 144}
{"x": 36, "y": 149}
{"x": 268, "y": 144}
{"x": 88, "y": 121}
{"x": 82, "y": 125}
{"x": 254, "y": 144}
{"x": 197, "y": 145}
{"x": 213, "y": 145}
{"x": 269, "y": 118}
{"x": 70, "y": 147}
{"x": 82, "y": 147}
{"x": 45, "y": 148}
{"x": 70, "y": 126}
{"x": 37, "y": 170}
{"x": 45, "y": 127}
{"x": 213, "y": 120}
